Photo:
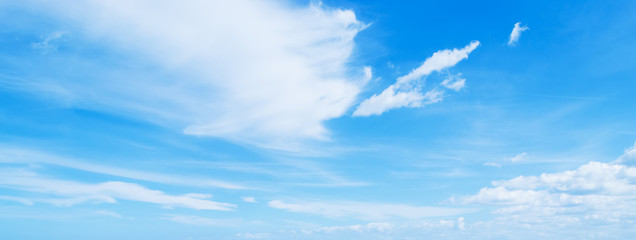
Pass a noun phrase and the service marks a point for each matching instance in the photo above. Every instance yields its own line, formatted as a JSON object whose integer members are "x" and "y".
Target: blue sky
{"x": 317, "y": 120}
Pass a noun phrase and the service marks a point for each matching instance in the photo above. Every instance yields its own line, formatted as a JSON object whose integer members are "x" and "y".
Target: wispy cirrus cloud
{"x": 515, "y": 159}
{"x": 28, "y": 156}
{"x": 253, "y": 235}
{"x": 289, "y": 171}
{"x": 21, "y": 200}
{"x": 262, "y": 73}
{"x": 67, "y": 193}
{"x": 407, "y": 91}
{"x": 108, "y": 213}
{"x": 49, "y": 43}
{"x": 203, "y": 221}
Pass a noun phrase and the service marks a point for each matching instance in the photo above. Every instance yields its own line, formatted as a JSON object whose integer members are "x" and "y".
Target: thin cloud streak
{"x": 72, "y": 192}
{"x": 19, "y": 155}
{"x": 366, "y": 210}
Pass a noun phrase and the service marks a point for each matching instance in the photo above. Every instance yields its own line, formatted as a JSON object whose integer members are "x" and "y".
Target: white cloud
{"x": 389, "y": 98}
{"x": 433, "y": 96}
{"x": 454, "y": 82}
{"x": 516, "y": 33}
{"x": 26, "y": 156}
{"x": 16, "y": 199}
{"x": 374, "y": 226}
{"x": 518, "y": 157}
{"x": 309, "y": 171}
{"x": 253, "y": 235}
{"x": 292, "y": 171}
{"x": 249, "y": 199}
{"x": 593, "y": 191}
{"x": 406, "y": 92}
{"x": 72, "y": 192}
{"x": 418, "y": 229}
{"x": 368, "y": 73}
{"x": 439, "y": 61}
{"x": 366, "y": 211}
{"x": 108, "y": 213}
{"x": 252, "y": 71}
{"x": 300, "y": 172}
{"x": 629, "y": 156}
{"x": 492, "y": 164}
{"x": 48, "y": 44}
{"x": 459, "y": 228}
{"x": 201, "y": 221}
{"x": 461, "y": 225}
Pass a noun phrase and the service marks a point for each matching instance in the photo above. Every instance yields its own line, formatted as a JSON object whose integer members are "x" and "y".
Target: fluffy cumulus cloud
{"x": 265, "y": 73}
{"x": 365, "y": 210}
{"x": 68, "y": 193}
{"x": 594, "y": 191}
{"x": 516, "y": 33}
{"x": 407, "y": 90}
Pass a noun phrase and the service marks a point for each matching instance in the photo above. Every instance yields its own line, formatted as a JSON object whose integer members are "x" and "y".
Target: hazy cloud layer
{"x": 256, "y": 72}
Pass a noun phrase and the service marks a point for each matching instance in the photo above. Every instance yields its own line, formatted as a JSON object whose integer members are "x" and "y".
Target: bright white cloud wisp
{"x": 406, "y": 92}
{"x": 255, "y": 72}
{"x": 516, "y": 33}
{"x": 440, "y": 60}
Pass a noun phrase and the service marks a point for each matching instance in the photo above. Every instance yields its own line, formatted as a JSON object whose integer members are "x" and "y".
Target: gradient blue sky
{"x": 317, "y": 120}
